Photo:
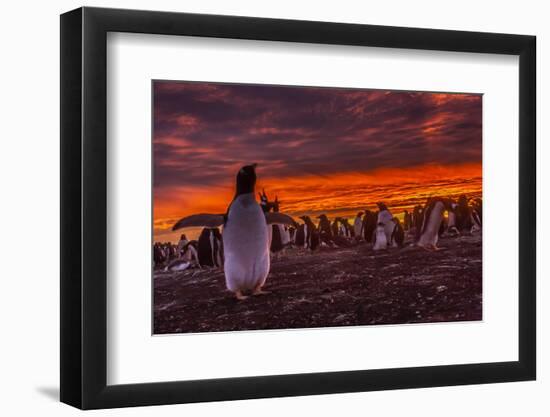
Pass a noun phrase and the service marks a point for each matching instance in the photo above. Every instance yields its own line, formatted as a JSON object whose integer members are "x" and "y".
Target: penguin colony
{"x": 243, "y": 239}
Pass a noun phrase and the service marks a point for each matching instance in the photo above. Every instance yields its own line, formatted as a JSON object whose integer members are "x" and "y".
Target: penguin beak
{"x": 254, "y": 165}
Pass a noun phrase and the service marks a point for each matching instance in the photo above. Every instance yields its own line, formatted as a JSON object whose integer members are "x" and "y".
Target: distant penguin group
{"x": 307, "y": 235}
{"x": 251, "y": 232}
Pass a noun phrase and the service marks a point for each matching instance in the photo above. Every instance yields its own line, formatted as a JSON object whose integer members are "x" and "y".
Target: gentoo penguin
{"x": 478, "y": 207}
{"x": 463, "y": 215}
{"x": 342, "y": 229}
{"x": 385, "y": 217}
{"x": 418, "y": 218}
{"x": 398, "y": 234}
{"x": 210, "y": 249}
{"x": 311, "y": 234}
{"x": 406, "y": 221}
{"x": 189, "y": 257}
{"x": 369, "y": 224}
{"x": 433, "y": 216}
{"x": 169, "y": 251}
{"x": 476, "y": 222}
{"x": 246, "y": 230}
{"x": 335, "y": 227}
{"x": 158, "y": 254}
{"x": 280, "y": 238}
{"x": 379, "y": 240}
{"x": 345, "y": 228}
{"x": 358, "y": 226}
{"x": 451, "y": 220}
{"x": 476, "y": 215}
{"x": 325, "y": 230}
{"x": 292, "y": 234}
{"x": 300, "y": 236}
{"x": 190, "y": 252}
{"x": 181, "y": 244}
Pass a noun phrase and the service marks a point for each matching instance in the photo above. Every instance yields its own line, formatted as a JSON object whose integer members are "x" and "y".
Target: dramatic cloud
{"x": 321, "y": 149}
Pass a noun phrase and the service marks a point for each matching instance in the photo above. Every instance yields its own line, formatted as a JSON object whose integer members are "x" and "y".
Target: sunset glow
{"x": 319, "y": 150}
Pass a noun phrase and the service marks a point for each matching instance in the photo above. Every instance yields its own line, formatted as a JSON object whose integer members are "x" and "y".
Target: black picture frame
{"x": 84, "y": 207}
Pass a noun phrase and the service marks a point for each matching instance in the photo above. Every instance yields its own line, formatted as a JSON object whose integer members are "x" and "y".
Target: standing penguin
{"x": 210, "y": 247}
{"x": 398, "y": 234}
{"x": 385, "y": 217}
{"x": 158, "y": 254}
{"x": 336, "y": 227}
{"x": 418, "y": 217}
{"x": 325, "y": 231}
{"x": 369, "y": 224}
{"x": 464, "y": 221}
{"x": 406, "y": 221}
{"x": 280, "y": 235}
{"x": 379, "y": 240}
{"x": 433, "y": 216}
{"x": 181, "y": 244}
{"x": 311, "y": 234}
{"x": 477, "y": 206}
{"x": 476, "y": 215}
{"x": 300, "y": 236}
{"x": 451, "y": 221}
{"x": 358, "y": 226}
{"x": 345, "y": 228}
{"x": 245, "y": 236}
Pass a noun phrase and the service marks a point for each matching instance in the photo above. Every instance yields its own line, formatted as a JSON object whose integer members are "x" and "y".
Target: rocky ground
{"x": 331, "y": 287}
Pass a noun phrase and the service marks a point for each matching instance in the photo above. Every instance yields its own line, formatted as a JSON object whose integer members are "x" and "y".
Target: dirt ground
{"x": 331, "y": 287}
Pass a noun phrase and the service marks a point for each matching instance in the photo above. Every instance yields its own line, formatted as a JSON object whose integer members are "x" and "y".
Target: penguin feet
{"x": 239, "y": 296}
{"x": 425, "y": 247}
{"x": 258, "y": 291}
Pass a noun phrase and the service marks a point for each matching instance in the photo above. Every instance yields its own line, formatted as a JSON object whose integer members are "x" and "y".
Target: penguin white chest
{"x": 246, "y": 245}
{"x": 381, "y": 241}
{"x": 385, "y": 218}
{"x": 430, "y": 235}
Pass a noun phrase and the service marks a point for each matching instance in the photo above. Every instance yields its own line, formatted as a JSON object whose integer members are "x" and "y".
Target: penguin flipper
{"x": 200, "y": 220}
{"x": 279, "y": 218}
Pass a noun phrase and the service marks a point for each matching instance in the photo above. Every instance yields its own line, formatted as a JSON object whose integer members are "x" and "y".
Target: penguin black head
{"x": 381, "y": 206}
{"x": 246, "y": 179}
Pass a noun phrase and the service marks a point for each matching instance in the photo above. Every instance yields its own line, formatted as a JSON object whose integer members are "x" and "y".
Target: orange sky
{"x": 340, "y": 194}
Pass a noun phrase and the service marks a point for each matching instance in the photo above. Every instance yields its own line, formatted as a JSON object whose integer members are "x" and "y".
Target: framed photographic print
{"x": 258, "y": 207}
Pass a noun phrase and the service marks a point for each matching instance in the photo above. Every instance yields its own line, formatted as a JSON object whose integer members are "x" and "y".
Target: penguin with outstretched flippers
{"x": 245, "y": 236}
